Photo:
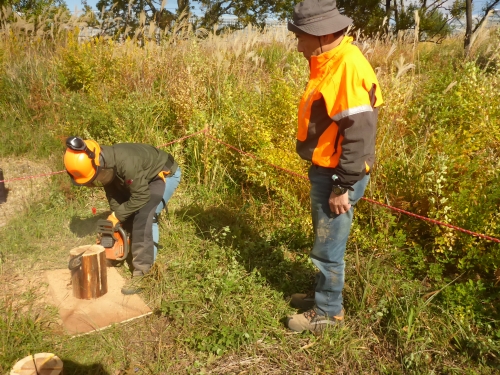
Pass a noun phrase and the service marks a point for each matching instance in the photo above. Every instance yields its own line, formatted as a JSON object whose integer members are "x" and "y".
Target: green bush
{"x": 438, "y": 155}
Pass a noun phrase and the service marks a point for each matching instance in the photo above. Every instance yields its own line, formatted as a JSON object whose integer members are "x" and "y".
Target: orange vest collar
{"x": 319, "y": 63}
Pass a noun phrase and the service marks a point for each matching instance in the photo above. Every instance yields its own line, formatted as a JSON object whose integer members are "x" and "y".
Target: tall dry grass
{"x": 437, "y": 147}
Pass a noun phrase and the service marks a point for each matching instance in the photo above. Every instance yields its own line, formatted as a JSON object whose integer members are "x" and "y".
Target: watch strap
{"x": 339, "y": 190}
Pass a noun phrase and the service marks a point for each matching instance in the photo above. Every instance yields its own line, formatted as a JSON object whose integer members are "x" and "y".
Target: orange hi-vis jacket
{"x": 338, "y": 113}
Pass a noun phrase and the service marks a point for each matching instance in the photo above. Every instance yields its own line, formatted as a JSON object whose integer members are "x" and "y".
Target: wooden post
{"x": 89, "y": 274}
{"x": 3, "y": 192}
{"x": 39, "y": 364}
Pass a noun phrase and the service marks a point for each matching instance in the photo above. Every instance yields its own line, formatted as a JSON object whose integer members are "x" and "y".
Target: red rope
{"x": 36, "y": 176}
{"x": 59, "y": 172}
{"x": 437, "y": 222}
{"x": 183, "y": 138}
{"x": 256, "y": 157}
{"x": 433, "y": 221}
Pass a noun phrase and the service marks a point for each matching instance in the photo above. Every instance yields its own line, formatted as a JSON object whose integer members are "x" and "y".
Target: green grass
{"x": 219, "y": 296}
{"x": 419, "y": 299}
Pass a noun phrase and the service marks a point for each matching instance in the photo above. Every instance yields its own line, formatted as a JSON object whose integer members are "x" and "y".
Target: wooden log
{"x": 89, "y": 273}
{"x": 39, "y": 364}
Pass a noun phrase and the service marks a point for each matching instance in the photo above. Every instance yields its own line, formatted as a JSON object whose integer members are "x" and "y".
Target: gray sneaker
{"x": 303, "y": 301}
{"x": 133, "y": 286}
{"x": 311, "y": 321}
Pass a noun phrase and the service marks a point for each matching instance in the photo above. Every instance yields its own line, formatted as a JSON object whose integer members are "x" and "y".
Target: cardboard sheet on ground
{"x": 83, "y": 316}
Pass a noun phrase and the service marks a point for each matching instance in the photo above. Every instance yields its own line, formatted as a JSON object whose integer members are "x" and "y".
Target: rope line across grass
{"x": 59, "y": 172}
{"x": 433, "y": 221}
{"x": 30, "y": 177}
{"x": 205, "y": 131}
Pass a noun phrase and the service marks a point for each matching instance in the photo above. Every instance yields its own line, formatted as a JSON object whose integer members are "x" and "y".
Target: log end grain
{"x": 41, "y": 364}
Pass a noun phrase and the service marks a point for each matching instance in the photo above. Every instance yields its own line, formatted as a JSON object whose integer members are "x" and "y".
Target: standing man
{"x": 337, "y": 126}
{"x": 139, "y": 180}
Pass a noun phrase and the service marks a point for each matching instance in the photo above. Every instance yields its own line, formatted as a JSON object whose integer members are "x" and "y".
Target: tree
{"x": 125, "y": 16}
{"x": 38, "y": 15}
{"x": 487, "y": 11}
{"x": 434, "y": 18}
{"x": 30, "y": 8}
{"x": 246, "y": 11}
{"x": 468, "y": 23}
{"x": 470, "y": 28}
{"x": 367, "y": 15}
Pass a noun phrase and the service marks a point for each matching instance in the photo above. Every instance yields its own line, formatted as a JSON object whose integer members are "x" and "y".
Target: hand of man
{"x": 339, "y": 204}
{"x": 113, "y": 219}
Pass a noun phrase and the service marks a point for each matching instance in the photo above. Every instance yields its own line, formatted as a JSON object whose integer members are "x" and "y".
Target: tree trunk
{"x": 468, "y": 25}
{"x": 41, "y": 364}
{"x": 88, "y": 273}
{"x": 387, "y": 14}
{"x": 396, "y": 15}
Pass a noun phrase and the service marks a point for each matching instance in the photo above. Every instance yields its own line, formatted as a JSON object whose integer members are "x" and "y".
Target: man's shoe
{"x": 133, "y": 286}
{"x": 303, "y": 301}
{"x": 311, "y": 321}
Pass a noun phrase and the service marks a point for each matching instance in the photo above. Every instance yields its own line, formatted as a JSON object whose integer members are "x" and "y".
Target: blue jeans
{"x": 170, "y": 186}
{"x": 330, "y": 238}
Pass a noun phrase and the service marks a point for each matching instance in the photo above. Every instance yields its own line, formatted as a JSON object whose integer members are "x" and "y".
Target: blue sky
{"x": 172, "y": 5}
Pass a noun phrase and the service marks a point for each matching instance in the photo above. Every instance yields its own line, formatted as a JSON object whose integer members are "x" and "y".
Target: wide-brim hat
{"x": 317, "y": 17}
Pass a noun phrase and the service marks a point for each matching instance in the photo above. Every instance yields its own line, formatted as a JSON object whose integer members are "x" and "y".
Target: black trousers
{"x": 140, "y": 227}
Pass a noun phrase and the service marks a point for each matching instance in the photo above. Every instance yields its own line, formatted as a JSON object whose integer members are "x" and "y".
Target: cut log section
{"x": 88, "y": 271}
{"x": 39, "y": 364}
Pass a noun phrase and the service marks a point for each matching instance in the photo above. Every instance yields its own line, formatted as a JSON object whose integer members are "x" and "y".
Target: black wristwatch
{"x": 339, "y": 190}
{"x": 336, "y": 189}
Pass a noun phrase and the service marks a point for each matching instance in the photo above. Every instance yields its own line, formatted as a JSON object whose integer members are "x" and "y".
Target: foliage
{"x": 367, "y": 15}
{"x": 35, "y": 8}
{"x": 420, "y": 298}
{"x": 486, "y": 12}
{"x": 125, "y": 17}
{"x": 218, "y": 297}
{"x": 246, "y": 11}
{"x": 23, "y": 332}
{"x": 443, "y": 163}
{"x": 432, "y": 22}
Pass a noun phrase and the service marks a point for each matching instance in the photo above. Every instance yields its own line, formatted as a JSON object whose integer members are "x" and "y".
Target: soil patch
{"x": 80, "y": 316}
{"x": 21, "y": 193}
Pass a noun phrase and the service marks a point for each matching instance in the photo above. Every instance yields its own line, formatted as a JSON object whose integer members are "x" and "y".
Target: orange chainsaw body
{"x": 114, "y": 239}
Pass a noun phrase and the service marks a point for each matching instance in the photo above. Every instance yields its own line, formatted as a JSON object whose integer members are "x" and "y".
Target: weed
{"x": 419, "y": 298}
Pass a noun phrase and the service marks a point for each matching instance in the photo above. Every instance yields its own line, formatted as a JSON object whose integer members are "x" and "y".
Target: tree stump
{"x": 88, "y": 271}
{"x": 39, "y": 364}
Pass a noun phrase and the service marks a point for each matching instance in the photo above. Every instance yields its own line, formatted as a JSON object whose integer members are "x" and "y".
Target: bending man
{"x": 139, "y": 180}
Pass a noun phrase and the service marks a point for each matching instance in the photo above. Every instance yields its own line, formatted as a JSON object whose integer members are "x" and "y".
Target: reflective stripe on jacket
{"x": 338, "y": 113}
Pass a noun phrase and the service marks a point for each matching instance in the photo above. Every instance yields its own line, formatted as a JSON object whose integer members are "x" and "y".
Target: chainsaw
{"x": 115, "y": 240}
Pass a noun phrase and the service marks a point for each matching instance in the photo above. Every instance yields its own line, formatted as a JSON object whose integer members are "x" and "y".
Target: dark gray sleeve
{"x": 139, "y": 191}
{"x": 113, "y": 203}
{"x": 358, "y": 146}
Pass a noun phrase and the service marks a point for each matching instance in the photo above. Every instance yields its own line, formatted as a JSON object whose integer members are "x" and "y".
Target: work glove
{"x": 113, "y": 219}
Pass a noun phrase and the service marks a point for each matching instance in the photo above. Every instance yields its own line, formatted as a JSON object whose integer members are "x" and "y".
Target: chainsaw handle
{"x": 75, "y": 262}
{"x": 122, "y": 232}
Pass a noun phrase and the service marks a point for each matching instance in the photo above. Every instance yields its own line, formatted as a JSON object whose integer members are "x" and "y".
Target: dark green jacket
{"x": 136, "y": 165}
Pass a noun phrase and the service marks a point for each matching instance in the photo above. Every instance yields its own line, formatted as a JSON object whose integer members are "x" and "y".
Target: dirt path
{"x": 21, "y": 194}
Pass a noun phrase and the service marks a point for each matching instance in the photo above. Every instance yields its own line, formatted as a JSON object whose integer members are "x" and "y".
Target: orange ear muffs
{"x": 81, "y": 160}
